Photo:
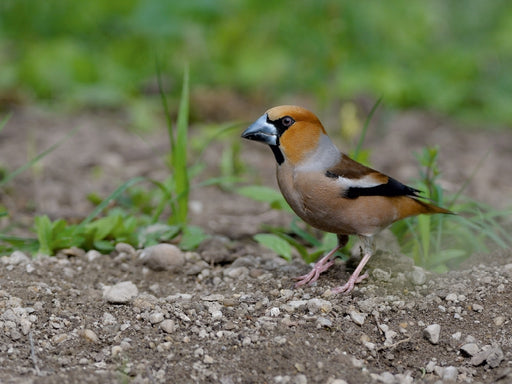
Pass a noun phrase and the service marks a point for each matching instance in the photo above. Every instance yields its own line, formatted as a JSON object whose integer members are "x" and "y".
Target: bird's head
{"x": 291, "y": 132}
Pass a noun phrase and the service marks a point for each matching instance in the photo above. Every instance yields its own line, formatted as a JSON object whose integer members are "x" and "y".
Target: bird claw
{"x": 314, "y": 274}
{"x": 349, "y": 286}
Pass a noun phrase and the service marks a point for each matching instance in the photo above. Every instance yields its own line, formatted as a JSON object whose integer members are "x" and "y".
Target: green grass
{"x": 136, "y": 211}
{"x": 444, "y": 56}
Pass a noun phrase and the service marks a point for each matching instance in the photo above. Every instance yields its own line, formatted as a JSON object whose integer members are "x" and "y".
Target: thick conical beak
{"x": 262, "y": 130}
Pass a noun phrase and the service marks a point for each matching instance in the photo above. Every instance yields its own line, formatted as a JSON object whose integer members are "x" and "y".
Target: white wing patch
{"x": 365, "y": 182}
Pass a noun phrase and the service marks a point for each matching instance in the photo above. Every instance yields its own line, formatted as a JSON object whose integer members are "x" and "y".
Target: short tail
{"x": 411, "y": 206}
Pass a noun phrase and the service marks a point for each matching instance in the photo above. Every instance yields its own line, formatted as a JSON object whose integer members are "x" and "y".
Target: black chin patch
{"x": 277, "y": 154}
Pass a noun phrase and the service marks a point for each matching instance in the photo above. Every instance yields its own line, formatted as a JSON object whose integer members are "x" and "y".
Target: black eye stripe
{"x": 282, "y": 124}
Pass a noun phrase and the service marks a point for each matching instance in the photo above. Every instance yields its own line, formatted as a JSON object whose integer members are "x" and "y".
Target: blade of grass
{"x": 359, "y": 145}
{"x": 34, "y": 160}
{"x": 4, "y": 121}
{"x": 179, "y": 154}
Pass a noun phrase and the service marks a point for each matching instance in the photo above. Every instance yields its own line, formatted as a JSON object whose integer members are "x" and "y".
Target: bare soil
{"x": 238, "y": 319}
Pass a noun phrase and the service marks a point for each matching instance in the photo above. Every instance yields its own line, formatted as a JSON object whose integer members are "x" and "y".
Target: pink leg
{"x": 367, "y": 247}
{"x": 320, "y": 266}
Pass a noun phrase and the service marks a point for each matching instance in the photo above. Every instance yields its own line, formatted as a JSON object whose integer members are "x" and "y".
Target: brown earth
{"x": 239, "y": 320}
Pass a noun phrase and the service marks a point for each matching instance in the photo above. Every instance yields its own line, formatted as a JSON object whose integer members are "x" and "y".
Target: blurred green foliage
{"x": 452, "y": 57}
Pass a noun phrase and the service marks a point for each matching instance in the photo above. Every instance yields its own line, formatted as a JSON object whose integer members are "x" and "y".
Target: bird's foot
{"x": 349, "y": 286}
{"x": 320, "y": 267}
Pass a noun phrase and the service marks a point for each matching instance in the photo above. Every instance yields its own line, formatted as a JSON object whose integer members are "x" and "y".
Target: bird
{"x": 329, "y": 190}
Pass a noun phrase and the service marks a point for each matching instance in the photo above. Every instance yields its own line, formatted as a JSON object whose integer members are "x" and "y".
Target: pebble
{"x": 121, "y": 293}
{"x": 470, "y": 349}
{"x": 449, "y": 374}
{"x": 417, "y": 276}
{"x": 125, "y": 248}
{"x": 116, "y": 350}
{"x": 108, "y": 319}
{"x": 156, "y": 317}
{"x": 493, "y": 355}
{"x": 432, "y": 333}
{"x": 89, "y": 336}
{"x": 168, "y": 326}
{"x": 92, "y": 255}
{"x": 319, "y": 305}
{"x": 357, "y": 317}
{"x": 163, "y": 257}
{"x": 381, "y": 275}
{"x": 60, "y": 338}
{"x": 499, "y": 320}
{"x": 477, "y": 307}
{"x": 17, "y": 257}
{"x": 324, "y": 322}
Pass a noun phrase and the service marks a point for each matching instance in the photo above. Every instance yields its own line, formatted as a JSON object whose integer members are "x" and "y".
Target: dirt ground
{"x": 238, "y": 319}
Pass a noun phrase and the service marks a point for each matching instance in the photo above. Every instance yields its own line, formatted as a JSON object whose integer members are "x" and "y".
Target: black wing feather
{"x": 391, "y": 188}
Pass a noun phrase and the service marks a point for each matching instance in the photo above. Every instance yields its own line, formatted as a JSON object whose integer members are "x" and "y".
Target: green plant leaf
{"x": 266, "y": 195}
{"x": 192, "y": 237}
{"x": 276, "y": 244}
{"x": 179, "y": 155}
{"x": 43, "y": 226}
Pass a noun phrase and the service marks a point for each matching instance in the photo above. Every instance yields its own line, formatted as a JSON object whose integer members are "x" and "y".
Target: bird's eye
{"x": 287, "y": 121}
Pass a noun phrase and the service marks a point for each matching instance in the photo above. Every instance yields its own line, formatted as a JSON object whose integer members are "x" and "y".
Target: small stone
{"x": 417, "y": 276}
{"x": 495, "y": 357}
{"x": 163, "y": 257}
{"x": 470, "y": 349}
{"x": 121, "y": 293}
{"x": 429, "y": 368}
{"x": 125, "y": 248}
{"x": 300, "y": 379}
{"x": 295, "y": 304}
{"x": 156, "y": 317}
{"x": 89, "y": 336}
{"x": 381, "y": 275}
{"x": 208, "y": 359}
{"x": 168, "y": 326}
{"x": 324, "y": 322}
{"x": 216, "y": 250}
{"x": 357, "y": 317}
{"x": 60, "y": 338}
{"x": 432, "y": 332}
{"x": 499, "y": 320}
{"x": 384, "y": 377}
{"x": 452, "y": 297}
{"x": 337, "y": 381}
{"x": 73, "y": 251}
{"x": 25, "y": 325}
{"x": 116, "y": 350}
{"x": 449, "y": 374}
{"x": 236, "y": 272}
{"x": 108, "y": 319}
{"x": 480, "y": 357}
{"x": 319, "y": 305}
{"x": 92, "y": 255}
{"x": 17, "y": 257}
{"x": 477, "y": 307}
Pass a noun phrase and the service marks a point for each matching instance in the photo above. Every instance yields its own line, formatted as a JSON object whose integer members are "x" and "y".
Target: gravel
{"x": 225, "y": 324}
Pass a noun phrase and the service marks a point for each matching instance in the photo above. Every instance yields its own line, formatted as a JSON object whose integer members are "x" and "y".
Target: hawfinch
{"x": 330, "y": 191}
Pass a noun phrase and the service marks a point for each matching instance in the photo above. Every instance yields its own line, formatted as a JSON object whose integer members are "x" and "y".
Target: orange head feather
{"x": 302, "y": 136}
